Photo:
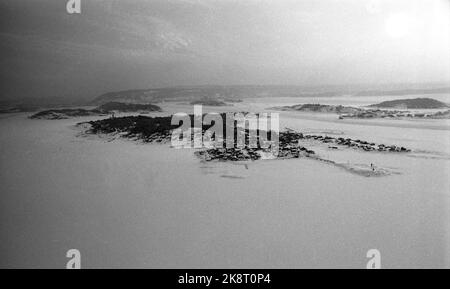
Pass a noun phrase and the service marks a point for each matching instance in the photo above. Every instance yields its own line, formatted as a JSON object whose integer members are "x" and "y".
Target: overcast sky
{"x": 125, "y": 44}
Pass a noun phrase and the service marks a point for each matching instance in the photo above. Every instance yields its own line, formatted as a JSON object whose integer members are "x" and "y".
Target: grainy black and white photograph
{"x": 224, "y": 134}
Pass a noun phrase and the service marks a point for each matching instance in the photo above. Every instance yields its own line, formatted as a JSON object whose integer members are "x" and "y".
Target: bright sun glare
{"x": 431, "y": 22}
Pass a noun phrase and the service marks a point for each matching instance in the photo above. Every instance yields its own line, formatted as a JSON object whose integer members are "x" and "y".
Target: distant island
{"x": 66, "y": 113}
{"x": 209, "y": 102}
{"x": 128, "y": 107}
{"x": 103, "y": 109}
{"x": 324, "y": 108}
{"x": 416, "y": 103}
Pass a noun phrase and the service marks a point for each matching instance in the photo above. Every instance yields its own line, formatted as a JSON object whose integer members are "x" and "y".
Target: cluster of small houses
{"x": 230, "y": 154}
{"x": 242, "y": 154}
{"x": 159, "y": 137}
{"x": 288, "y": 148}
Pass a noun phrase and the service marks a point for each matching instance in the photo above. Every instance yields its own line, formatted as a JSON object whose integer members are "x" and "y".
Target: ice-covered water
{"x": 124, "y": 204}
